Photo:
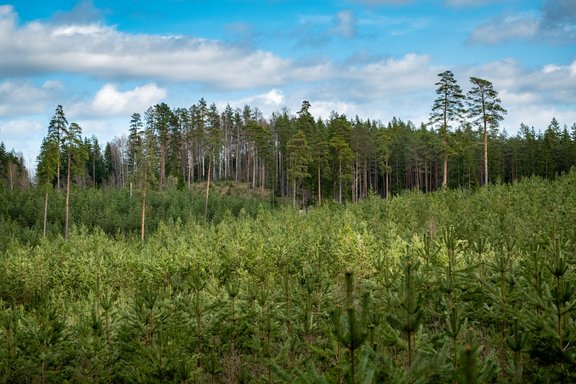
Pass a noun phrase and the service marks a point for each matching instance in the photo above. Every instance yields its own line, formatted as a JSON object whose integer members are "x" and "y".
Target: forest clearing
{"x": 452, "y": 286}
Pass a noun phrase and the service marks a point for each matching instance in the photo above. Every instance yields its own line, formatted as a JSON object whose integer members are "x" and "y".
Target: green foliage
{"x": 457, "y": 286}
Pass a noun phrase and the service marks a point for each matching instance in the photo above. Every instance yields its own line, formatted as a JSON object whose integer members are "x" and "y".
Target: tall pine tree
{"x": 484, "y": 107}
{"x": 447, "y": 108}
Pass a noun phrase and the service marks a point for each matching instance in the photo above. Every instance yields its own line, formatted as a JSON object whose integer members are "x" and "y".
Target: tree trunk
{"x": 237, "y": 168}
{"x": 254, "y": 165}
{"x": 262, "y": 179}
{"x": 207, "y": 191}
{"x": 45, "y": 213}
{"x": 66, "y": 222}
{"x": 485, "y": 155}
{"x": 340, "y": 182}
{"x": 319, "y": 186}
{"x": 143, "y": 218}
{"x": 11, "y": 174}
{"x": 445, "y": 175}
{"x": 426, "y": 189}
{"x": 162, "y": 164}
{"x": 94, "y": 169}
{"x": 58, "y": 171}
{"x": 294, "y": 192}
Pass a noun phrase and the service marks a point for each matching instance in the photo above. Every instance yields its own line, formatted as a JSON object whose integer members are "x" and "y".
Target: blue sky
{"x": 104, "y": 60}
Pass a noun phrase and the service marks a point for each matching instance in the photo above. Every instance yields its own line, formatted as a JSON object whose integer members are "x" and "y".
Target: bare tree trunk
{"x": 254, "y": 165}
{"x": 319, "y": 186}
{"x": 485, "y": 155}
{"x": 281, "y": 175}
{"x": 262, "y": 179}
{"x": 426, "y": 175}
{"x": 11, "y": 172}
{"x": 445, "y": 176}
{"x": 162, "y": 164}
{"x": 236, "y": 171}
{"x": 340, "y": 182}
{"x": 45, "y": 213}
{"x": 294, "y": 192}
{"x": 66, "y": 223}
{"x": 58, "y": 172}
{"x": 94, "y": 169}
{"x": 143, "y": 218}
{"x": 207, "y": 191}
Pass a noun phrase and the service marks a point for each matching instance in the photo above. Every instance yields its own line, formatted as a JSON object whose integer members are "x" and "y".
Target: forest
{"x": 224, "y": 247}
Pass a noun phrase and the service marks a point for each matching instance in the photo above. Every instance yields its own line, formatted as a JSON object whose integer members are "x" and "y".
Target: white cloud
{"x": 389, "y": 77}
{"x": 324, "y": 108}
{"x": 508, "y": 28}
{"x": 109, "y": 101}
{"x": 22, "y": 97}
{"x": 102, "y": 51}
{"x": 268, "y": 102}
{"x": 553, "y": 23}
{"x": 22, "y": 136}
{"x": 345, "y": 24}
{"x": 532, "y": 96}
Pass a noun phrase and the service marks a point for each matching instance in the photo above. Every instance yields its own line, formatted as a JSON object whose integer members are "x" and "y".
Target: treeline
{"x": 13, "y": 172}
{"x": 308, "y": 160}
{"x": 337, "y": 158}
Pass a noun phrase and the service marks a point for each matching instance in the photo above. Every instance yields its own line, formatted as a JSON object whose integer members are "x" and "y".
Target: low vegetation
{"x": 453, "y": 286}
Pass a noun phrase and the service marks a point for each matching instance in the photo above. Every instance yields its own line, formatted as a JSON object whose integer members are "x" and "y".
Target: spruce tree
{"x": 56, "y": 128}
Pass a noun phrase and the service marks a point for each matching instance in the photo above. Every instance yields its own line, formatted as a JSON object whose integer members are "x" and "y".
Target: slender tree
{"x": 299, "y": 158}
{"x": 447, "y": 108}
{"x": 484, "y": 107}
{"x": 46, "y": 171}
{"x": 58, "y": 124}
{"x": 383, "y": 146}
{"x": 344, "y": 157}
{"x": 145, "y": 176}
{"x": 75, "y": 150}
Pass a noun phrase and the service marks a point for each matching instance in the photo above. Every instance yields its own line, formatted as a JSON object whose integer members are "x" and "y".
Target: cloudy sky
{"x": 103, "y": 60}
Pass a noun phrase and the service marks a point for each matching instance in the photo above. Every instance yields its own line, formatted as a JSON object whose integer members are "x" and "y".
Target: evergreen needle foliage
{"x": 455, "y": 286}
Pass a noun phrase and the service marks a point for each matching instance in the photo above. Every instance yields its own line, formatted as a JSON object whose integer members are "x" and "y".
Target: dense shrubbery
{"x": 456, "y": 286}
{"x": 113, "y": 210}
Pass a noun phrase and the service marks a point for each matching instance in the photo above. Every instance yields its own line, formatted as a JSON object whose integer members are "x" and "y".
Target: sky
{"x": 104, "y": 60}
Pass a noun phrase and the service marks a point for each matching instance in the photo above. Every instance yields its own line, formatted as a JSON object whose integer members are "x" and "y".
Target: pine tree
{"x": 484, "y": 107}
{"x": 447, "y": 108}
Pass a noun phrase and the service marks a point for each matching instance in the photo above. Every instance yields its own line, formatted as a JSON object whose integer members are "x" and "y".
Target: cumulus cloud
{"x": 273, "y": 98}
{"x": 559, "y": 20}
{"x": 393, "y": 76}
{"x": 23, "y": 97}
{"x": 102, "y": 51}
{"x": 110, "y": 101}
{"x": 507, "y": 28}
{"x": 21, "y": 135}
{"x": 555, "y": 22}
